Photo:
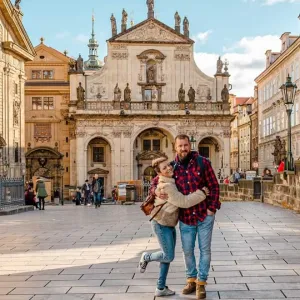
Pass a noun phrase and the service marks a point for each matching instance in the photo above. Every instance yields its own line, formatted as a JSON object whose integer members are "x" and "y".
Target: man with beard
{"x": 192, "y": 172}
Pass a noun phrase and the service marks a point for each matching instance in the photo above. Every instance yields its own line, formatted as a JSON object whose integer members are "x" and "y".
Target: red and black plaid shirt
{"x": 188, "y": 180}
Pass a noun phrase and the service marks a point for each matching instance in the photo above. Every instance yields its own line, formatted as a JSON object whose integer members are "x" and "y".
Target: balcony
{"x": 152, "y": 108}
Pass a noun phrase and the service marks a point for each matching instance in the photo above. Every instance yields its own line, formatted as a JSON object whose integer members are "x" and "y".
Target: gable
{"x": 151, "y": 31}
{"x": 50, "y": 54}
{"x": 22, "y": 47}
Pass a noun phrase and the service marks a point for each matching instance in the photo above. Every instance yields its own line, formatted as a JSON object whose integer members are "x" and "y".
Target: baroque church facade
{"x": 128, "y": 111}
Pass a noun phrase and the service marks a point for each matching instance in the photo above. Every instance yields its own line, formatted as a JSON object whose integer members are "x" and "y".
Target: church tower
{"x": 93, "y": 62}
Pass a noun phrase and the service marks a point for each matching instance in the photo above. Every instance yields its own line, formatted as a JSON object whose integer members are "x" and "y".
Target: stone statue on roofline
{"x": 117, "y": 93}
{"x": 124, "y": 20}
{"x": 113, "y": 25}
{"x": 225, "y": 94}
{"x": 150, "y": 4}
{"x": 17, "y": 4}
{"x": 186, "y": 27}
{"x": 79, "y": 64}
{"x": 80, "y": 96}
{"x": 177, "y": 19}
{"x": 192, "y": 94}
{"x": 181, "y": 94}
{"x": 127, "y": 93}
{"x": 220, "y": 65}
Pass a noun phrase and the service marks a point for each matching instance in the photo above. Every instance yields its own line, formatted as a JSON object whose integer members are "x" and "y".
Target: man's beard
{"x": 183, "y": 154}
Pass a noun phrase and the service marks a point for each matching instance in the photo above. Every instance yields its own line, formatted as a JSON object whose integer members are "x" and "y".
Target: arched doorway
{"x": 149, "y": 174}
{"x": 150, "y": 144}
{"x": 209, "y": 147}
{"x": 99, "y": 162}
{"x": 45, "y": 162}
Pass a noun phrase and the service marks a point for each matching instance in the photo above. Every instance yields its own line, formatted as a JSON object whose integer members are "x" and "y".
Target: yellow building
{"x": 47, "y": 95}
{"x": 15, "y": 50}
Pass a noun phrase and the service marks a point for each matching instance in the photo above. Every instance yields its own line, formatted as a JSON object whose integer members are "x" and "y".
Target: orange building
{"x": 47, "y": 95}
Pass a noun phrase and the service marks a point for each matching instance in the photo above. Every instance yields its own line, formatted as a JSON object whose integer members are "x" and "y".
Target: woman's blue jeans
{"x": 167, "y": 240}
{"x": 189, "y": 233}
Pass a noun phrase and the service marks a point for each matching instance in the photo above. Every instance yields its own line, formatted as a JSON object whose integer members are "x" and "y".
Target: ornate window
{"x": 36, "y": 74}
{"x": 151, "y": 145}
{"x": 42, "y": 74}
{"x": 98, "y": 154}
{"x": 48, "y": 74}
{"x": 42, "y": 103}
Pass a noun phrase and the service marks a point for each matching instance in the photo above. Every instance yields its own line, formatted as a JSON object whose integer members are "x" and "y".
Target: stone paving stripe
{"x": 98, "y": 290}
{"x": 40, "y": 291}
{"x": 251, "y": 295}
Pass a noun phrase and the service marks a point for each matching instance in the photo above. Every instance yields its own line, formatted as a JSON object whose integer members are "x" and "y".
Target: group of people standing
{"x": 91, "y": 192}
{"x": 36, "y": 197}
{"x": 186, "y": 190}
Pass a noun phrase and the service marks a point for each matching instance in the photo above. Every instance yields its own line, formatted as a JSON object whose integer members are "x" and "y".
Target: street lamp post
{"x": 288, "y": 90}
{"x": 249, "y": 112}
{"x": 193, "y": 143}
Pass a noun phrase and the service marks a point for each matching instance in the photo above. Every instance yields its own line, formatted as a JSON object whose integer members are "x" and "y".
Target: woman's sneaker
{"x": 165, "y": 292}
{"x": 143, "y": 263}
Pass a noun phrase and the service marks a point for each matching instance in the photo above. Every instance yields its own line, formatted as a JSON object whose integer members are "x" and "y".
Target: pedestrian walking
{"x": 41, "y": 192}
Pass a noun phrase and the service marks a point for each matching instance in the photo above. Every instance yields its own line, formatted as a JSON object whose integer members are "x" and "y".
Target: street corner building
{"x": 15, "y": 50}
{"x": 127, "y": 110}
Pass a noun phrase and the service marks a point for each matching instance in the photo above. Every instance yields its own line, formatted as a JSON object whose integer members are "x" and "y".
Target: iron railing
{"x": 11, "y": 193}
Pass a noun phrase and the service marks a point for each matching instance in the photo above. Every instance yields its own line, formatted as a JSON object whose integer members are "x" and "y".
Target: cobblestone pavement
{"x": 82, "y": 253}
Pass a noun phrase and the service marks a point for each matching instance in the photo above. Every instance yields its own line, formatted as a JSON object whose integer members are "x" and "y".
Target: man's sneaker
{"x": 143, "y": 264}
{"x": 165, "y": 292}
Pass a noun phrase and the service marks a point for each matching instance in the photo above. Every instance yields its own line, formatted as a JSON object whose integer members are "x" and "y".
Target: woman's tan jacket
{"x": 168, "y": 215}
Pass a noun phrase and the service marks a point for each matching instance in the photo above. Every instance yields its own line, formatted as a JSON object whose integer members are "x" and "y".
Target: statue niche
{"x": 151, "y": 71}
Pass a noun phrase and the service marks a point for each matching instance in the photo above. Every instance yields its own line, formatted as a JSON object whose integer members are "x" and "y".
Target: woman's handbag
{"x": 148, "y": 205}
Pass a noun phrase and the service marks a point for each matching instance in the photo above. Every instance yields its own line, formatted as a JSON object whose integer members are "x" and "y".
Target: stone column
{"x": 80, "y": 160}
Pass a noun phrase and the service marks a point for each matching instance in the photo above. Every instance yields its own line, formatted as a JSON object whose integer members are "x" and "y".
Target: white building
{"x": 15, "y": 49}
{"x": 272, "y": 114}
{"x": 117, "y": 136}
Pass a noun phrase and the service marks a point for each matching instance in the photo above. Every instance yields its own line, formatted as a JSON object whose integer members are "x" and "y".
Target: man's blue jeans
{"x": 97, "y": 198}
{"x": 188, "y": 238}
{"x": 167, "y": 240}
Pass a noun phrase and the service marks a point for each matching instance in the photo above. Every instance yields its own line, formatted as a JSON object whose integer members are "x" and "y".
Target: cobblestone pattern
{"x": 70, "y": 252}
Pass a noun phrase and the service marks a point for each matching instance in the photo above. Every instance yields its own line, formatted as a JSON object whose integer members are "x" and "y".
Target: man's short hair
{"x": 156, "y": 162}
{"x": 182, "y": 137}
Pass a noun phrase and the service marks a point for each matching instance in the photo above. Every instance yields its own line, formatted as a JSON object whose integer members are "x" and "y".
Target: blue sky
{"x": 239, "y": 30}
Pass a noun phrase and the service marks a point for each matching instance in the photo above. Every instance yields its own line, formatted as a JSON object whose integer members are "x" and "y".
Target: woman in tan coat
{"x": 165, "y": 218}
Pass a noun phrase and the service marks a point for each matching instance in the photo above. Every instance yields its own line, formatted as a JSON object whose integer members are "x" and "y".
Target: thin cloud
{"x": 62, "y": 35}
{"x": 246, "y": 61}
{"x": 202, "y": 37}
{"x": 82, "y": 38}
{"x": 272, "y": 2}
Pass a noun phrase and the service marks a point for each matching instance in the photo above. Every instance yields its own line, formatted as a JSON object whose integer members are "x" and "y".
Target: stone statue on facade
{"x": 127, "y": 93}
{"x": 220, "y": 65}
{"x": 150, "y": 4}
{"x": 113, "y": 25}
{"x": 80, "y": 96}
{"x": 79, "y": 64}
{"x": 181, "y": 94}
{"x": 117, "y": 93}
{"x": 17, "y": 4}
{"x": 186, "y": 27}
{"x": 225, "y": 94}
{"x": 279, "y": 150}
{"x": 151, "y": 74}
{"x": 192, "y": 94}
{"x": 124, "y": 20}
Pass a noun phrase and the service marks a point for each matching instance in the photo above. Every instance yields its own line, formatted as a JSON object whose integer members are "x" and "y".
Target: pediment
{"x": 151, "y": 31}
{"x": 50, "y": 55}
{"x": 150, "y": 155}
{"x": 98, "y": 171}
